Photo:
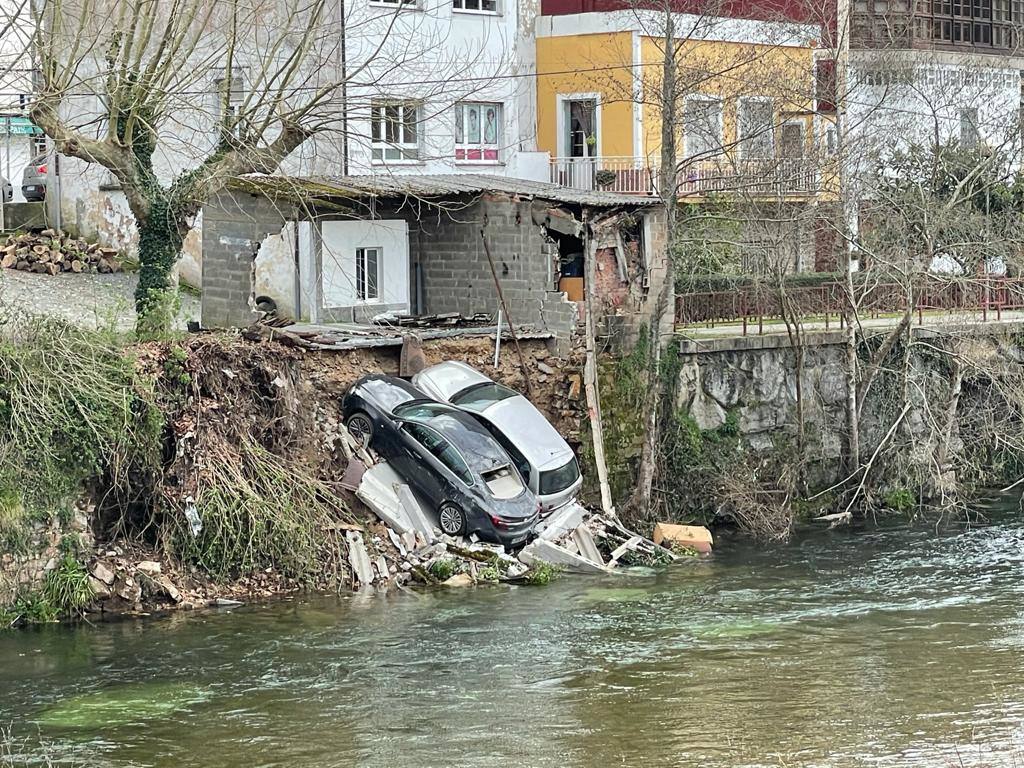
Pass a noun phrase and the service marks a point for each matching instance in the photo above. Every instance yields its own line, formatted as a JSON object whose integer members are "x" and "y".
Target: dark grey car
{"x": 33, "y": 179}
{"x": 448, "y": 458}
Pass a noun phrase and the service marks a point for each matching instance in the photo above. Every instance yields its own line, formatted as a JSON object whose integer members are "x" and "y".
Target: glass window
{"x": 479, "y": 397}
{"x": 490, "y": 6}
{"x": 755, "y": 124}
{"x": 556, "y": 480}
{"x": 702, "y": 126}
{"x": 477, "y": 131}
{"x": 394, "y": 130}
{"x": 969, "y": 127}
{"x": 444, "y": 451}
{"x": 368, "y": 265}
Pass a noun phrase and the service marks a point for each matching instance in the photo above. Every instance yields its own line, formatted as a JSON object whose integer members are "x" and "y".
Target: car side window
{"x": 445, "y": 452}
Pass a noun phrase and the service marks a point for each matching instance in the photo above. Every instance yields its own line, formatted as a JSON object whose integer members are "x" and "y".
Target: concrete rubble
{"x": 571, "y": 538}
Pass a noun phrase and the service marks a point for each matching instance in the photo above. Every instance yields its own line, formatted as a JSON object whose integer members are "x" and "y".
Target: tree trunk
{"x": 160, "y": 242}
{"x": 665, "y": 301}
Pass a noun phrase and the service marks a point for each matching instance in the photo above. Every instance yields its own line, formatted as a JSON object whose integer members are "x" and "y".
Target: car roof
{"x": 477, "y": 446}
{"x": 387, "y": 392}
{"x": 529, "y": 431}
{"x": 451, "y": 377}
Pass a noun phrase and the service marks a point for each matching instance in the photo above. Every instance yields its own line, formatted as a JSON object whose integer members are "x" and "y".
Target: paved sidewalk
{"x": 91, "y": 300}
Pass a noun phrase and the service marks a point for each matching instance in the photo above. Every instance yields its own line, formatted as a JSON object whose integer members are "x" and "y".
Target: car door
{"x": 418, "y": 462}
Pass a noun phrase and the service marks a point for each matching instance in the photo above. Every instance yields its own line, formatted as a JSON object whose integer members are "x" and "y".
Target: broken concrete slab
{"x": 391, "y": 499}
{"x": 415, "y": 513}
{"x": 586, "y": 545}
{"x": 544, "y": 551}
{"x": 561, "y": 521}
{"x": 148, "y": 567}
{"x": 358, "y": 559}
{"x": 627, "y": 546}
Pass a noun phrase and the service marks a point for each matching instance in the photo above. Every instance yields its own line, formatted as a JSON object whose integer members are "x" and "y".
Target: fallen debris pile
{"x": 570, "y": 539}
{"x": 50, "y": 252}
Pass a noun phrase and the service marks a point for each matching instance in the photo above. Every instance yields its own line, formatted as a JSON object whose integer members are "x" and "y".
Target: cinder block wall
{"x": 456, "y": 276}
{"x": 234, "y": 225}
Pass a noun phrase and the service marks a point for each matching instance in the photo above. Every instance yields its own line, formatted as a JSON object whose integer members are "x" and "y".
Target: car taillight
{"x": 41, "y": 169}
{"x": 498, "y": 522}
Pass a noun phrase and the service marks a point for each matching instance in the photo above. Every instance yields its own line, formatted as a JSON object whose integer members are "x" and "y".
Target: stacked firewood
{"x": 50, "y": 251}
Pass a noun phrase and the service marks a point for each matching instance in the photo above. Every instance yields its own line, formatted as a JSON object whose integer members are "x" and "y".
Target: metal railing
{"x": 638, "y": 176}
{"x": 754, "y": 307}
{"x": 628, "y": 175}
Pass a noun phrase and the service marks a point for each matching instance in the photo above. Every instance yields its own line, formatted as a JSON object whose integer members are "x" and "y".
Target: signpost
{"x": 11, "y": 126}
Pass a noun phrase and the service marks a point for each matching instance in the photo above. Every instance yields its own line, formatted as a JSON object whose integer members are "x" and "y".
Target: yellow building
{"x": 746, "y": 113}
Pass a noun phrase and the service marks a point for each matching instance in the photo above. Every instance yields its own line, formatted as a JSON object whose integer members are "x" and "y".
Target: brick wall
{"x": 234, "y": 225}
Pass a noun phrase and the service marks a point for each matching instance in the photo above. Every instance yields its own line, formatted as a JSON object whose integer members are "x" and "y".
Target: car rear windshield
{"x": 481, "y": 396}
{"x": 556, "y": 480}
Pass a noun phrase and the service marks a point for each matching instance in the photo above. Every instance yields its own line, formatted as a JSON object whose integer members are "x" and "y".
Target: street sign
{"x": 19, "y": 126}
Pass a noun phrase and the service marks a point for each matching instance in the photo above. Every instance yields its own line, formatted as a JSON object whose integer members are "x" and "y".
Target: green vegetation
{"x": 900, "y": 500}
{"x": 71, "y": 410}
{"x": 541, "y": 574}
{"x": 260, "y": 511}
{"x": 66, "y": 592}
{"x": 442, "y": 569}
{"x": 489, "y": 573}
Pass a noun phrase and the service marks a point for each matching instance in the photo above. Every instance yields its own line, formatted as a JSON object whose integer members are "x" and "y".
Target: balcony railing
{"x": 637, "y": 176}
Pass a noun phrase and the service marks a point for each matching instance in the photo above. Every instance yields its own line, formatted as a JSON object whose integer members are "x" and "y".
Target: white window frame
{"x": 704, "y": 98}
{"x": 477, "y": 11}
{"x": 362, "y": 284}
{"x": 561, "y": 101}
{"x": 741, "y": 140}
{"x": 409, "y": 151}
{"x": 236, "y": 96}
{"x": 462, "y": 108}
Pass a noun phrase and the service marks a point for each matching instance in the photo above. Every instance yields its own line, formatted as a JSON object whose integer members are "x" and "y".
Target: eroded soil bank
{"x": 243, "y": 434}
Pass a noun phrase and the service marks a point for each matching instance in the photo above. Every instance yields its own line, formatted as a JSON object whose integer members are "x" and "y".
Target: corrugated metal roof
{"x": 439, "y": 185}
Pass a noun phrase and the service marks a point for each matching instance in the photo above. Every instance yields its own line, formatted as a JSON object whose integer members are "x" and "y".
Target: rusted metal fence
{"x": 752, "y": 307}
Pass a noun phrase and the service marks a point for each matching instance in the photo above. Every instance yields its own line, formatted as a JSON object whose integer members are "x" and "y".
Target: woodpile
{"x": 50, "y": 251}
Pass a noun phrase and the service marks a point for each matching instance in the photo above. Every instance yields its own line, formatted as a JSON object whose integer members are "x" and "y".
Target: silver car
{"x": 541, "y": 455}
{"x": 33, "y": 180}
{"x": 6, "y": 190}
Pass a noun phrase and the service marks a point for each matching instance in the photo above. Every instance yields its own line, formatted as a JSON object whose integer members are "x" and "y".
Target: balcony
{"x": 775, "y": 177}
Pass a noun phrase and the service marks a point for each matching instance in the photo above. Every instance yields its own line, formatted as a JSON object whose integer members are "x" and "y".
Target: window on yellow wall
{"x": 702, "y": 126}
{"x": 755, "y": 124}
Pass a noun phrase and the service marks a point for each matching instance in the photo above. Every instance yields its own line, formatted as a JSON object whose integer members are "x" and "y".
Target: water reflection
{"x": 839, "y": 649}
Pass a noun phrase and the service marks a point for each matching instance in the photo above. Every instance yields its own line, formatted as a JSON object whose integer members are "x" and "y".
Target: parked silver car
{"x": 33, "y": 179}
{"x": 541, "y": 455}
{"x": 6, "y": 190}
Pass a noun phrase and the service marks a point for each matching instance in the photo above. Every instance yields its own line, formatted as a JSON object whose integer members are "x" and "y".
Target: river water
{"x": 900, "y": 646}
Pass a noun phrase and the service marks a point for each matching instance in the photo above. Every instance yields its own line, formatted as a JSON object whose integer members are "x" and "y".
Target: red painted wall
{"x": 802, "y": 11}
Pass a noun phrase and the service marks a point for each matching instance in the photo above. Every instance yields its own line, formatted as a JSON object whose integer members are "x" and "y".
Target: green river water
{"x": 899, "y": 646}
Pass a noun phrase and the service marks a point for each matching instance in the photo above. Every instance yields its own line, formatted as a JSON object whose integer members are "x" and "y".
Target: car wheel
{"x": 451, "y": 519}
{"x": 361, "y": 428}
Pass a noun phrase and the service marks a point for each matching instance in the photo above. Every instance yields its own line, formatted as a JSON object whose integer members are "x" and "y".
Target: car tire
{"x": 451, "y": 519}
{"x": 360, "y": 426}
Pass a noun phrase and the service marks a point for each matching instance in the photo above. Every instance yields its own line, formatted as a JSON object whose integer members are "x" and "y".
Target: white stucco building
{"x": 430, "y": 88}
